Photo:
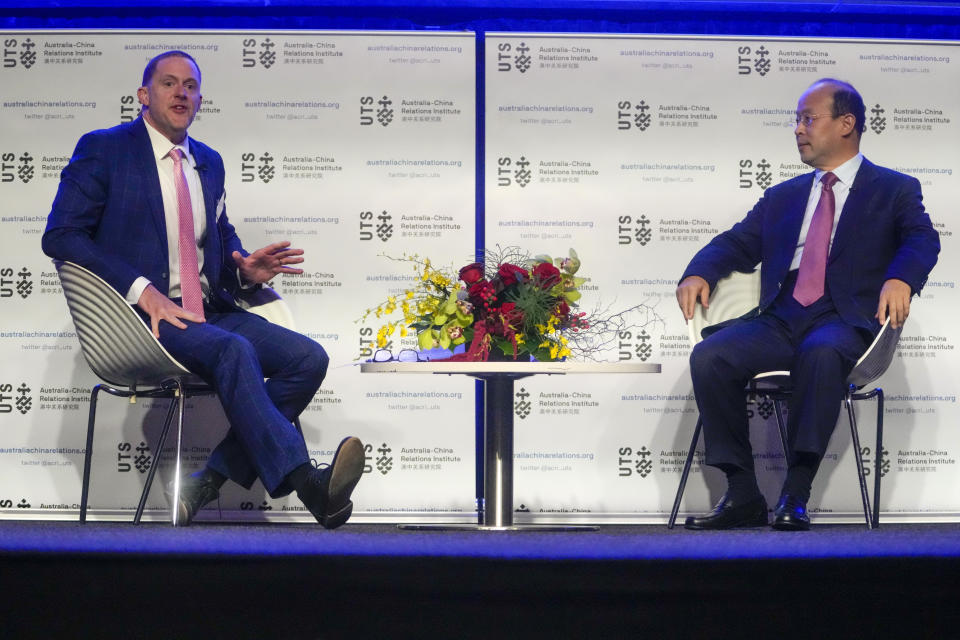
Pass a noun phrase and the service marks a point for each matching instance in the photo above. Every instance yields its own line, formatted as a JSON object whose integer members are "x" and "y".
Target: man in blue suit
{"x": 840, "y": 250}
{"x": 142, "y": 206}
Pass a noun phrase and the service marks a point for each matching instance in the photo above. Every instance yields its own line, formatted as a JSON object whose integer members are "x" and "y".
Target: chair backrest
{"x": 116, "y": 342}
{"x": 732, "y": 297}
{"x": 878, "y": 356}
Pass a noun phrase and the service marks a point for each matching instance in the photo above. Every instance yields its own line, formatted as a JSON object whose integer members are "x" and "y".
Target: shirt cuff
{"x": 136, "y": 290}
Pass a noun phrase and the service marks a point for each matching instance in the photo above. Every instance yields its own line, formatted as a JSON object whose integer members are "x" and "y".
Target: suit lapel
{"x": 146, "y": 165}
{"x": 854, "y": 209}
{"x": 211, "y": 244}
{"x": 794, "y": 207}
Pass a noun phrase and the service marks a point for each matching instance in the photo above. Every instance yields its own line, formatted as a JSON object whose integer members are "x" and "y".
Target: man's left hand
{"x": 263, "y": 264}
{"x": 895, "y": 302}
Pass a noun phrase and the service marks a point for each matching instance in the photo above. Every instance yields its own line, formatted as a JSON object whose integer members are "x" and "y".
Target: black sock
{"x": 801, "y": 473}
{"x": 298, "y": 476}
{"x": 741, "y": 483}
{"x": 209, "y": 475}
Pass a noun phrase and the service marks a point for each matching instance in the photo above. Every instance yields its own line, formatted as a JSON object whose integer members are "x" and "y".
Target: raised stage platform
{"x": 109, "y": 580}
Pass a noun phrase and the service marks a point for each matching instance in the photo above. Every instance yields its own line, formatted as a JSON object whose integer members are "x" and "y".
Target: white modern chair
{"x": 122, "y": 351}
{"x": 737, "y": 295}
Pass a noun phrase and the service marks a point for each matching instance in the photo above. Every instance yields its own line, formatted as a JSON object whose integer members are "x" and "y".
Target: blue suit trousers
{"x": 813, "y": 343}
{"x": 233, "y": 352}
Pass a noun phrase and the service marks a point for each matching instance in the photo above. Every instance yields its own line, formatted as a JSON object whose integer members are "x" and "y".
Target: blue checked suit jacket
{"x": 108, "y": 213}
{"x": 883, "y": 233}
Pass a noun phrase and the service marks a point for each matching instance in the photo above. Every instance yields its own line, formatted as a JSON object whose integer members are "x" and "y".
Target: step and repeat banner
{"x": 359, "y": 147}
{"x": 636, "y": 151}
{"x": 354, "y": 146}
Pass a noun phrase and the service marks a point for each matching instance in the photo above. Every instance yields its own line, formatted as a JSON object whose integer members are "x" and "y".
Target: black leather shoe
{"x": 791, "y": 514}
{"x": 195, "y": 491}
{"x": 326, "y": 492}
{"x": 727, "y": 515}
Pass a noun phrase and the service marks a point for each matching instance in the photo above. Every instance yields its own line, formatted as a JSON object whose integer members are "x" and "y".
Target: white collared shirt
{"x": 168, "y": 190}
{"x": 841, "y": 189}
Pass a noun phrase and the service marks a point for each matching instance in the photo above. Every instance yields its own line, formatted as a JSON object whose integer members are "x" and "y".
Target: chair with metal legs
{"x": 122, "y": 351}
{"x": 737, "y": 295}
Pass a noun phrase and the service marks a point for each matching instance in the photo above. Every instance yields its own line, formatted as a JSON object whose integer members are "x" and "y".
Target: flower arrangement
{"x": 509, "y": 304}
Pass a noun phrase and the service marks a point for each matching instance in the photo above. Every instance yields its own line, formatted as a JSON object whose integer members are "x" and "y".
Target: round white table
{"x": 496, "y": 507}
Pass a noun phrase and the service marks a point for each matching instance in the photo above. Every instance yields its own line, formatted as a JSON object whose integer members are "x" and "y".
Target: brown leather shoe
{"x": 326, "y": 492}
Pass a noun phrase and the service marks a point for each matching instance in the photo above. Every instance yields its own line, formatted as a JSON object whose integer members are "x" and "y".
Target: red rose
{"x": 546, "y": 274}
{"x": 511, "y": 273}
{"x": 472, "y": 272}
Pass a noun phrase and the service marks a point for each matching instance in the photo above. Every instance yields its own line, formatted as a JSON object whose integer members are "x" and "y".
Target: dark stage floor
{"x": 105, "y": 580}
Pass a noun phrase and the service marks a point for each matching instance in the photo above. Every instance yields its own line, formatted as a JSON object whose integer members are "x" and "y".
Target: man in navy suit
{"x": 142, "y": 206}
{"x": 877, "y": 248}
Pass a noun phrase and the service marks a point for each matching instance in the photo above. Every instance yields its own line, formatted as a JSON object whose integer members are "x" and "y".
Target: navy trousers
{"x": 813, "y": 343}
{"x": 233, "y": 352}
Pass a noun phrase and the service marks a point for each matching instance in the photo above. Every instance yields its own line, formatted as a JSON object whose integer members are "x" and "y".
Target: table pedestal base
{"x": 484, "y": 527}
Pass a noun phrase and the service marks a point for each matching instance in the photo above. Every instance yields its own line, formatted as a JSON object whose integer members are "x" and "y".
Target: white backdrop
{"x": 636, "y": 151}
{"x": 632, "y": 150}
{"x": 348, "y": 144}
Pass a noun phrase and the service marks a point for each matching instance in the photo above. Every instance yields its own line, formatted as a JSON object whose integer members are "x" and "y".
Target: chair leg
{"x": 877, "y": 459}
{"x": 782, "y": 429}
{"x": 88, "y": 455}
{"x": 855, "y": 437}
{"x": 155, "y": 463}
{"x": 685, "y": 474}
{"x": 175, "y": 507}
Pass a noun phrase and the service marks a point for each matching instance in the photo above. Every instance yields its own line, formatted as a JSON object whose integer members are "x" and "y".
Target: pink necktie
{"x": 187, "y": 241}
{"x": 813, "y": 262}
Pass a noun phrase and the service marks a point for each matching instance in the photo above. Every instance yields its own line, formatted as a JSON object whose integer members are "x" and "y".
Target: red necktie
{"x": 813, "y": 263}
{"x": 186, "y": 241}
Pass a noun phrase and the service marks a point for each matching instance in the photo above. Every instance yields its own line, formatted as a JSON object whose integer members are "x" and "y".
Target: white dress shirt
{"x": 161, "y": 151}
{"x": 841, "y": 189}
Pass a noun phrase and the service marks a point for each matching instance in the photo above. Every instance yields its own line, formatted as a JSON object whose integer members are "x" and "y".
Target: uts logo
{"x": 635, "y": 462}
{"x": 755, "y": 175}
{"x": 13, "y": 167}
{"x": 521, "y": 403}
{"x": 878, "y": 121}
{"x": 130, "y": 457}
{"x": 751, "y": 60}
{"x": 634, "y": 230}
{"x": 635, "y": 345}
{"x": 23, "y": 285}
{"x": 633, "y": 115}
{"x": 22, "y": 401}
{"x": 510, "y": 57}
{"x": 382, "y": 227}
{"x": 868, "y": 463}
{"x": 511, "y": 172}
{"x": 384, "y": 459}
{"x": 21, "y": 53}
{"x": 128, "y": 108}
{"x": 376, "y": 111}
{"x": 250, "y": 171}
{"x": 266, "y": 56}
{"x": 764, "y": 405}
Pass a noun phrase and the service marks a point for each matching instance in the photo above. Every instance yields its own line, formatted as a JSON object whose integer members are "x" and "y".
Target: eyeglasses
{"x": 404, "y": 355}
{"x": 807, "y": 118}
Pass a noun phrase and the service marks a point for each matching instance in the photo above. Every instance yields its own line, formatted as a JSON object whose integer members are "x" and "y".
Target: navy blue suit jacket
{"x": 883, "y": 233}
{"x": 108, "y": 213}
